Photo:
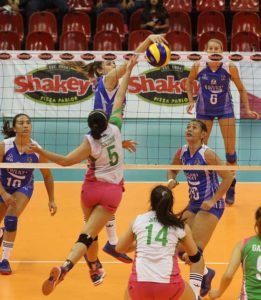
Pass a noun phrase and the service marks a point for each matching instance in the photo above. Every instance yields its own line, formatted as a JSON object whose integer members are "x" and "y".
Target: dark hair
{"x": 8, "y": 131}
{"x": 159, "y": 8}
{"x": 258, "y": 221}
{"x": 201, "y": 124}
{"x": 161, "y": 201}
{"x": 92, "y": 68}
{"x": 98, "y": 122}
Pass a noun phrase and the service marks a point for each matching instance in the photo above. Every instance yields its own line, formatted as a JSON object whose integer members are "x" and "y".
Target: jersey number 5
{"x": 161, "y": 236}
{"x": 113, "y": 155}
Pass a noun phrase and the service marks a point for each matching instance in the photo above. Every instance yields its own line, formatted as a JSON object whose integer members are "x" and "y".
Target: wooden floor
{"x": 44, "y": 241}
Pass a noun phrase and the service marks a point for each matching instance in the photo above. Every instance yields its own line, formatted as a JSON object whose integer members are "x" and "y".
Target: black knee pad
{"x": 85, "y": 239}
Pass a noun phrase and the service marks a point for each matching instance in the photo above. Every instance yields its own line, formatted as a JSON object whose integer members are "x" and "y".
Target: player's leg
{"x": 188, "y": 293}
{"x": 228, "y": 130}
{"x": 10, "y": 222}
{"x": 3, "y": 209}
{"x": 96, "y": 221}
{"x": 202, "y": 230}
{"x": 109, "y": 247}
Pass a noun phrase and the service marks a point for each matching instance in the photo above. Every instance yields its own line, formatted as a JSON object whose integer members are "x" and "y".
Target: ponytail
{"x": 7, "y": 131}
{"x": 98, "y": 122}
{"x": 162, "y": 202}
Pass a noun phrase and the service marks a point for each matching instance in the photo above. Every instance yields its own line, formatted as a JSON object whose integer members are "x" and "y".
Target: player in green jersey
{"x": 248, "y": 253}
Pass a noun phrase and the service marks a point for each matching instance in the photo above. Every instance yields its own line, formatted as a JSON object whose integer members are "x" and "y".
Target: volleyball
{"x": 158, "y": 55}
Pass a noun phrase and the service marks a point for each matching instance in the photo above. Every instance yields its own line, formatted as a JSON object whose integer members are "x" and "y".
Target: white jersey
{"x": 155, "y": 259}
{"x": 106, "y": 159}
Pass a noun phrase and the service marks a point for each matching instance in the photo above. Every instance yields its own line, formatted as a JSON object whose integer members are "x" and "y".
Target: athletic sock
{"x": 195, "y": 280}
{"x": 111, "y": 231}
{"x": 7, "y": 249}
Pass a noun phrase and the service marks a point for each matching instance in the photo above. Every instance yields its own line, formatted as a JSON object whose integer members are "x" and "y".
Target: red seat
{"x": 73, "y": 41}
{"x": 12, "y": 21}
{"x": 210, "y": 20}
{"x": 107, "y": 41}
{"x": 81, "y": 5}
{"x": 136, "y": 37}
{"x": 246, "y": 21}
{"x": 210, "y": 5}
{"x": 36, "y": 41}
{"x": 135, "y": 20}
{"x": 245, "y": 42}
{"x": 205, "y": 37}
{"x": 244, "y": 5}
{"x": 77, "y": 21}
{"x": 9, "y": 40}
{"x": 177, "y": 5}
{"x": 111, "y": 20}
{"x": 43, "y": 21}
{"x": 179, "y": 41}
{"x": 180, "y": 21}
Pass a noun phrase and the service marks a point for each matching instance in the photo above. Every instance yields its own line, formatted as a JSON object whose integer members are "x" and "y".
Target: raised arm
{"x": 116, "y": 116}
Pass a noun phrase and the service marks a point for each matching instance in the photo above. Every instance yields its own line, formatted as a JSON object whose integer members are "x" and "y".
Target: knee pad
{"x": 85, "y": 239}
{"x": 195, "y": 258}
{"x": 231, "y": 158}
{"x": 10, "y": 223}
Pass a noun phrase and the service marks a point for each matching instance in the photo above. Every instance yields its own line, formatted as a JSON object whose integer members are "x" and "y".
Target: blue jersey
{"x": 104, "y": 99}
{"x": 202, "y": 184}
{"x": 214, "y": 96}
{"x": 16, "y": 179}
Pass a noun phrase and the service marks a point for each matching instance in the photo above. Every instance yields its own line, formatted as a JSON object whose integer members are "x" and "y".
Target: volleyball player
{"x": 103, "y": 185}
{"x": 215, "y": 101}
{"x": 206, "y": 205}
{"x": 106, "y": 75}
{"x": 248, "y": 253}
{"x": 17, "y": 185}
{"x": 154, "y": 236}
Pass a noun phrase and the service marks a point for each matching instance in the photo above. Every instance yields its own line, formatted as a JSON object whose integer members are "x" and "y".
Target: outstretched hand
{"x": 32, "y": 148}
{"x": 158, "y": 38}
{"x": 130, "y": 145}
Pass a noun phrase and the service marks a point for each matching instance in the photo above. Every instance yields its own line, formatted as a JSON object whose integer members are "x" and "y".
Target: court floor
{"x": 44, "y": 241}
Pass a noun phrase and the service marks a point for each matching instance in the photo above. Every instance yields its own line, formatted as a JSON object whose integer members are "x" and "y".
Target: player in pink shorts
{"x": 108, "y": 195}
{"x": 155, "y": 236}
{"x": 103, "y": 149}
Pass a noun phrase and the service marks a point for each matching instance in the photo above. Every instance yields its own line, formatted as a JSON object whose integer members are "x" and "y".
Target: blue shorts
{"x": 217, "y": 210}
{"x": 207, "y": 117}
{"x": 27, "y": 190}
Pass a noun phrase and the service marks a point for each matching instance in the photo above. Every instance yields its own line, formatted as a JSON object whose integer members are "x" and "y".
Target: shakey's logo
{"x": 165, "y": 86}
{"x": 55, "y": 84}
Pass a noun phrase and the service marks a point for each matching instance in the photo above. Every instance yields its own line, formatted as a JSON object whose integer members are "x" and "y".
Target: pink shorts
{"x": 101, "y": 193}
{"x": 152, "y": 290}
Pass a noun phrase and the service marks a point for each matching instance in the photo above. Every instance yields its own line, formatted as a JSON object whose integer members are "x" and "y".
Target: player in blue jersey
{"x": 206, "y": 204}
{"x": 247, "y": 253}
{"x": 214, "y": 100}
{"x": 17, "y": 185}
{"x": 105, "y": 76}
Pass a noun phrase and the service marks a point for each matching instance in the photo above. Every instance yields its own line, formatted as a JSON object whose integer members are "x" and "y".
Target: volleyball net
{"x": 52, "y": 88}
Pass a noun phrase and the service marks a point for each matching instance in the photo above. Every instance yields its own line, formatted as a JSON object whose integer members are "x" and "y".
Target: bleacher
{"x": 191, "y": 24}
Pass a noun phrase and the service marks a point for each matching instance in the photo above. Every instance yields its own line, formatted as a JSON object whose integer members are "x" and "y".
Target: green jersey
{"x": 251, "y": 264}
